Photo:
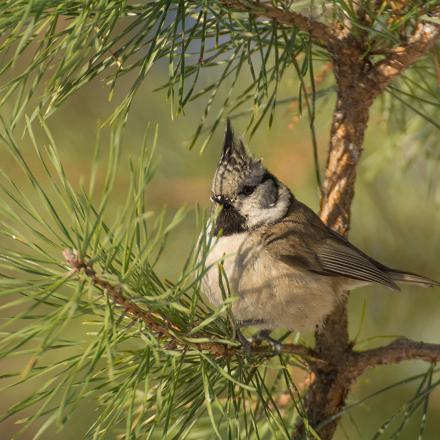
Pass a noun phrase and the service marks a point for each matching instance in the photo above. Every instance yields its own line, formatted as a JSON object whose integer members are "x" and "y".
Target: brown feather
{"x": 303, "y": 241}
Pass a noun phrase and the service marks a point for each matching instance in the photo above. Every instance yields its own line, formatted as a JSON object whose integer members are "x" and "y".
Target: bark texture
{"x": 327, "y": 394}
{"x": 359, "y": 82}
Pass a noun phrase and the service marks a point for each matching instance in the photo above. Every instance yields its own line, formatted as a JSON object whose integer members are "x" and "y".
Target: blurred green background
{"x": 396, "y": 218}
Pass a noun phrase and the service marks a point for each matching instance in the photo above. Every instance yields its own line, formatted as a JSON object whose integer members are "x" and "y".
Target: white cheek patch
{"x": 257, "y": 215}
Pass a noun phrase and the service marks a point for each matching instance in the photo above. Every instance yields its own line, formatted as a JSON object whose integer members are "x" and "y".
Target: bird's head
{"x": 250, "y": 196}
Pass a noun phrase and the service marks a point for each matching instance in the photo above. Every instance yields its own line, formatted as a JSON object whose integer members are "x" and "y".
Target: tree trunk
{"x": 327, "y": 394}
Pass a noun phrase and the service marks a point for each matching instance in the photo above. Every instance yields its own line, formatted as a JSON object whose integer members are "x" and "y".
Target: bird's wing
{"x": 340, "y": 259}
{"x": 303, "y": 241}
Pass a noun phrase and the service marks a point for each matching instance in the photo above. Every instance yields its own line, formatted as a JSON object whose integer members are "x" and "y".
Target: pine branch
{"x": 163, "y": 328}
{"x": 319, "y": 32}
{"x": 150, "y": 319}
{"x": 401, "y": 57}
{"x": 402, "y": 349}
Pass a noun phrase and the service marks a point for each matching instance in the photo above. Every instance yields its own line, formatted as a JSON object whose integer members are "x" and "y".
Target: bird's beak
{"x": 220, "y": 200}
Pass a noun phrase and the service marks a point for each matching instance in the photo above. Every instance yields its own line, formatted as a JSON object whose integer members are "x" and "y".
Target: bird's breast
{"x": 235, "y": 253}
{"x": 266, "y": 290}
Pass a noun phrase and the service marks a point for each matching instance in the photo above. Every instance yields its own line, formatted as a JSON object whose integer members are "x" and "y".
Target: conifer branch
{"x": 401, "y": 349}
{"x": 162, "y": 328}
{"x": 401, "y": 57}
{"x": 320, "y": 33}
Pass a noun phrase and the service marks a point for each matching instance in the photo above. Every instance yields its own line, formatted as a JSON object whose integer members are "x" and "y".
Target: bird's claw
{"x": 264, "y": 335}
{"x": 246, "y": 343}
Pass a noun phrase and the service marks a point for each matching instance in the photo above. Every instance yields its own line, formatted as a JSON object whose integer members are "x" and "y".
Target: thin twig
{"x": 319, "y": 32}
{"x": 402, "y": 349}
{"x": 163, "y": 329}
{"x": 401, "y": 57}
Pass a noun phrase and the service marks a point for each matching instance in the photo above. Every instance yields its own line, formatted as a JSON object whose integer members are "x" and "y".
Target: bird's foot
{"x": 245, "y": 342}
{"x": 261, "y": 336}
{"x": 264, "y": 335}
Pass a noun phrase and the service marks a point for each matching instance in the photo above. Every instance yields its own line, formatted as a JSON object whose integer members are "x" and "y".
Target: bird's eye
{"x": 247, "y": 190}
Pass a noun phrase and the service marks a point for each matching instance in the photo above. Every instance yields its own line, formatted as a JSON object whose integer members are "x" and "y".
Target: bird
{"x": 284, "y": 267}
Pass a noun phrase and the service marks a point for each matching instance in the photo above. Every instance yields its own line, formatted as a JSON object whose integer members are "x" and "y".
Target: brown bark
{"x": 401, "y": 349}
{"x": 359, "y": 83}
{"x": 172, "y": 336}
{"x": 320, "y": 33}
{"x": 355, "y": 94}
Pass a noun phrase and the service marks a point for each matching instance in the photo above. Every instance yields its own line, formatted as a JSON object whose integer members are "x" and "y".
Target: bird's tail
{"x": 412, "y": 278}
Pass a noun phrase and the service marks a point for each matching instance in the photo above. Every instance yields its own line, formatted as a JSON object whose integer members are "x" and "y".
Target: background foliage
{"x": 68, "y": 358}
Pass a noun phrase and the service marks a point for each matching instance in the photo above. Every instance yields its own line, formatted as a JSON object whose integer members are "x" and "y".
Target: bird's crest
{"x": 236, "y": 163}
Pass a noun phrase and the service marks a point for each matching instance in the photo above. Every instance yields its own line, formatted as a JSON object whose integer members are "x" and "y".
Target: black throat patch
{"x": 229, "y": 222}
